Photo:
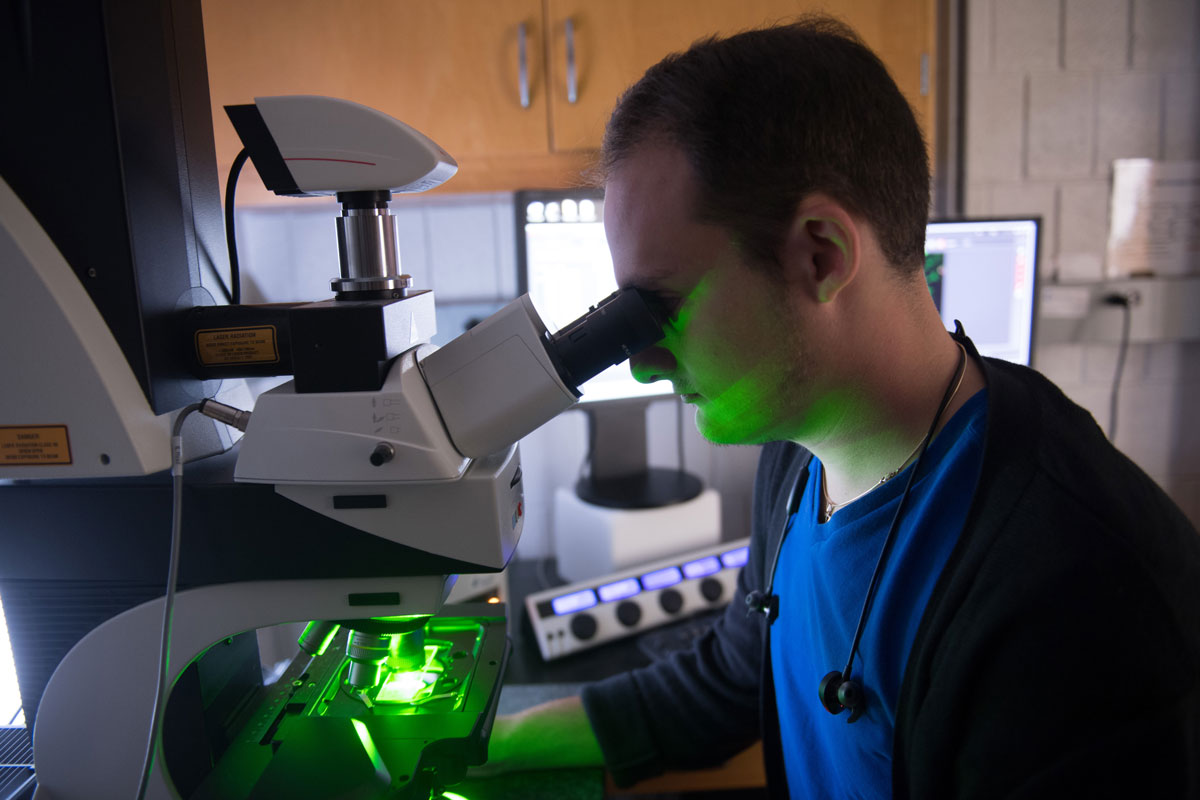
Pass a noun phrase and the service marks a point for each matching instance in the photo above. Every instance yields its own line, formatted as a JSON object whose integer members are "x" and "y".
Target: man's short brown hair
{"x": 769, "y": 116}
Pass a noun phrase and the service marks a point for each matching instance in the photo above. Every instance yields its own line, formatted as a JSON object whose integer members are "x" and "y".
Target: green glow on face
{"x": 741, "y": 402}
{"x": 681, "y": 320}
{"x": 744, "y": 407}
{"x": 368, "y": 743}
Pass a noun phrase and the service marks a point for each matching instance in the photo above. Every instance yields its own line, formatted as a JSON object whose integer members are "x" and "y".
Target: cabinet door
{"x": 447, "y": 68}
{"x": 615, "y": 41}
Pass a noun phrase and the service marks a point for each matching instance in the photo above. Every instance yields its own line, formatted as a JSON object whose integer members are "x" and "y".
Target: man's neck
{"x": 898, "y": 381}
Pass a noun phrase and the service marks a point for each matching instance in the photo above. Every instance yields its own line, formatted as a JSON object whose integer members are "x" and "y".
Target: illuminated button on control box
{"x": 587, "y": 614}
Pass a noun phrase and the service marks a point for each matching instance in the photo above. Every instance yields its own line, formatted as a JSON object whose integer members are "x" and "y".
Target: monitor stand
{"x": 623, "y": 512}
{"x": 616, "y": 474}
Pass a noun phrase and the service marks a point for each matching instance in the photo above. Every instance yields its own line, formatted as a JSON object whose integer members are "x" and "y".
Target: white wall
{"x": 1057, "y": 89}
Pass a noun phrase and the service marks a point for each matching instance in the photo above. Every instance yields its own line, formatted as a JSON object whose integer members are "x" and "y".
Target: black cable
{"x": 160, "y": 691}
{"x": 543, "y": 575}
{"x": 679, "y": 432}
{"x": 1125, "y": 302}
{"x": 235, "y": 276}
{"x": 887, "y": 541}
{"x": 24, "y": 21}
{"x": 585, "y": 468}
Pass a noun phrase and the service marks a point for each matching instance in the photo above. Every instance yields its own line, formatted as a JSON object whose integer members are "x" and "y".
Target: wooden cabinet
{"x": 617, "y": 40}
{"x": 448, "y": 68}
{"x": 452, "y": 68}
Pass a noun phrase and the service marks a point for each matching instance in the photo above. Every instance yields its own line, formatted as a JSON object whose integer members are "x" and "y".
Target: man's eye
{"x": 670, "y": 304}
{"x": 664, "y": 304}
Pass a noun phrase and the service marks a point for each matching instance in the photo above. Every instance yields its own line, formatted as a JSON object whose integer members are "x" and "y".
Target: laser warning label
{"x": 34, "y": 445}
{"x": 237, "y": 346}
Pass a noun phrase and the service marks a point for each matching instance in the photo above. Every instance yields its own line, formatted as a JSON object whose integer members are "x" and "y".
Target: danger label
{"x": 34, "y": 445}
{"x": 237, "y": 346}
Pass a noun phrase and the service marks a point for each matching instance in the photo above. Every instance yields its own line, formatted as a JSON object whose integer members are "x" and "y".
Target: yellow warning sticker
{"x": 237, "y": 345}
{"x": 34, "y": 445}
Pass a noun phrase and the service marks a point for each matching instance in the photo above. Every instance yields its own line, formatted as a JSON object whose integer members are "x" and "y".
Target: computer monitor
{"x": 984, "y": 272}
{"x": 564, "y": 265}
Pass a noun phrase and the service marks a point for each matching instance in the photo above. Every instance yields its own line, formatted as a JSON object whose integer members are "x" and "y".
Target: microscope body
{"x": 360, "y": 489}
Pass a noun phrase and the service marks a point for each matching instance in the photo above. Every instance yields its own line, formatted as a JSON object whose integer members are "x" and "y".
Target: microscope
{"x": 359, "y": 489}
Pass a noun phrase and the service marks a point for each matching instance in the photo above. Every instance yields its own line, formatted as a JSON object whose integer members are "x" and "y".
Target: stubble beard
{"x": 780, "y": 404}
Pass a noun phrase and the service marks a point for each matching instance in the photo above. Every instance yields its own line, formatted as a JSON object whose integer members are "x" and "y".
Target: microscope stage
{"x": 414, "y": 733}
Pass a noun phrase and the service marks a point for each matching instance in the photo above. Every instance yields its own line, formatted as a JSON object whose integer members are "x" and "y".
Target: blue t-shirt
{"x": 821, "y": 580}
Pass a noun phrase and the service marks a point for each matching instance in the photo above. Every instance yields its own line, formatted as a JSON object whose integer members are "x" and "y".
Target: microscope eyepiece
{"x": 508, "y": 375}
{"x": 619, "y": 326}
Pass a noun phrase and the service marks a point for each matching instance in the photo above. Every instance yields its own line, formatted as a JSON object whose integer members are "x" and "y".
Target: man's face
{"x": 730, "y": 348}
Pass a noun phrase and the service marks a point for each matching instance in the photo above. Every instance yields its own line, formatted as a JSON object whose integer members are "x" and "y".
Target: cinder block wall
{"x": 1057, "y": 89}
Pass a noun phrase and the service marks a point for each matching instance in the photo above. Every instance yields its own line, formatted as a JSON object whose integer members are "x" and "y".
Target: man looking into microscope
{"x": 946, "y": 552}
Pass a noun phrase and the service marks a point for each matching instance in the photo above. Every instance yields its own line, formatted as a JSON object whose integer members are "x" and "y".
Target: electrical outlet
{"x": 1161, "y": 310}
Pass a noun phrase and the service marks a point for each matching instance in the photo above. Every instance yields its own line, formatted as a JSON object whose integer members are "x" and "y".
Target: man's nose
{"x": 655, "y": 363}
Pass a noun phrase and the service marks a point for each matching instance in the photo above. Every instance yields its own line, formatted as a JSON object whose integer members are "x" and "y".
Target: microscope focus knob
{"x": 583, "y": 626}
{"x": 382, "y": 454}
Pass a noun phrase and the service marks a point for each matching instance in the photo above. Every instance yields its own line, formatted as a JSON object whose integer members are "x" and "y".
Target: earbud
{"x": 837, "y": 695}
{"x": 758, "y": 602}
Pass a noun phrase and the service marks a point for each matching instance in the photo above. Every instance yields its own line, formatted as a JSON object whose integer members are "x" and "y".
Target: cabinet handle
{"x": 522, "y": 66}
{"x": 572, "y": 82}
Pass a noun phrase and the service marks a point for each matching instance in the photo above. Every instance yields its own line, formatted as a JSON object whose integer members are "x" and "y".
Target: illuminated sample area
{"x": 404, "y": 685}
{"x": 413, "y": 687}
{"x": 323, "y": 730}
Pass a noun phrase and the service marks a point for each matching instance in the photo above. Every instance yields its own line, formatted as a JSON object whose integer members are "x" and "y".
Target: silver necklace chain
{"x": 829, "y": 507}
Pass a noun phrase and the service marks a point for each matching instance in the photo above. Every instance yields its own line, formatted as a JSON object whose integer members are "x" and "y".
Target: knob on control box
{"x": 582, "y": 615}
{"x": 670, "y": 600}
{"x": 583, "y": 626}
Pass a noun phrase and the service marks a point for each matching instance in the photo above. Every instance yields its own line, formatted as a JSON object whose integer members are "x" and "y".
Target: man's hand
{"x": 553, "y": 735}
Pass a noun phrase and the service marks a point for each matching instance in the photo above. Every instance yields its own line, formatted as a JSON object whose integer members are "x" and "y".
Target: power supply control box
{"x": 578, "y": 616}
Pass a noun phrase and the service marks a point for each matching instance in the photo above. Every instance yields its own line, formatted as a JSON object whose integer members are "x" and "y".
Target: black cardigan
{"x": 1059, "y": 655}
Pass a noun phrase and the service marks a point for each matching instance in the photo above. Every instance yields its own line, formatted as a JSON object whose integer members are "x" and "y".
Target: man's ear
{"x": 822, "y": 249}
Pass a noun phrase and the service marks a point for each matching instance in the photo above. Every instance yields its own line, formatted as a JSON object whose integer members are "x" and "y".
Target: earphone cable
{"x": 951, "y": 389}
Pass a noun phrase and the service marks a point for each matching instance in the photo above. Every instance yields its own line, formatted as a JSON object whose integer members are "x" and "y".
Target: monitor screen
{"x": 983, "y": 272}
{"x": 564, "y": 265}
